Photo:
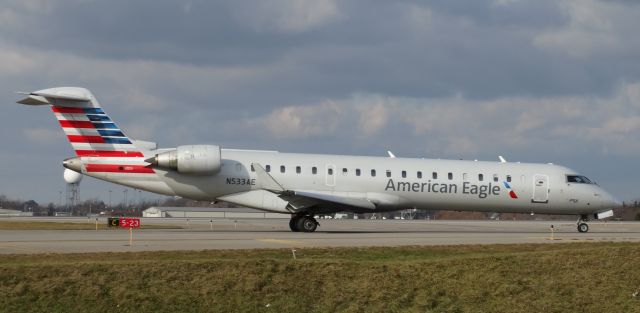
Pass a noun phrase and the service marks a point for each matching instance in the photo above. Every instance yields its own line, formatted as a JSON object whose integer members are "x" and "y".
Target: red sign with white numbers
{"x": 129, "y": 222}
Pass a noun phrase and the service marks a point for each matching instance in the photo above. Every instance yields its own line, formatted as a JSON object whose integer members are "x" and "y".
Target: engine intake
{"x": 192, "y": 159}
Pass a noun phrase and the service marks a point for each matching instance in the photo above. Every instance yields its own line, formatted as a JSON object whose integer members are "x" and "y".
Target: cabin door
{"x": 540, "y": 188}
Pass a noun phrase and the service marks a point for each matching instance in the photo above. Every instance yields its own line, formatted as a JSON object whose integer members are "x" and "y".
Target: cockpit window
{"x": 578, "y": 179}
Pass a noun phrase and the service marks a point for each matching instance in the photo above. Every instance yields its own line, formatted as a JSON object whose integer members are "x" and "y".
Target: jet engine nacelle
{"x": 193, "y": 159}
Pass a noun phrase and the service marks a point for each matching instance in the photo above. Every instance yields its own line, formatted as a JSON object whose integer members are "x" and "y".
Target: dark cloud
{"x": 479, "y": 48}
{"x": 213, "y": 71}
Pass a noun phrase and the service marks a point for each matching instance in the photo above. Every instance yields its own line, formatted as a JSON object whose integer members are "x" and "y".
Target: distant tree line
{"x": 628, "y": 211}
{"x": 97, "y": 206}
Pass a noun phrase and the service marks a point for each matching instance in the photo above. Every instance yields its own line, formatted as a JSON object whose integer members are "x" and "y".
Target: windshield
{"x": 578, "y": 179}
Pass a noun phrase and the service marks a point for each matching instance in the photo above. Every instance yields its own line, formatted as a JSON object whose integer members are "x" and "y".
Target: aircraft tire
{"x": 583, "y": 227}
{"x": 306, "y": 224}
{"x": 293, "y": 223}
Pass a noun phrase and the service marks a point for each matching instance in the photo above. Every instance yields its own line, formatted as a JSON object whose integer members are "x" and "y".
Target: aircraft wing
{"x": 342, "y": 200}
{"x": 265, "y": 181}
{"x": 301, "y": 199}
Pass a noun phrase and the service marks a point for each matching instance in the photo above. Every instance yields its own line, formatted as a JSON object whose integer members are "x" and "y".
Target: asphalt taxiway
{"x": 201, "y": 234}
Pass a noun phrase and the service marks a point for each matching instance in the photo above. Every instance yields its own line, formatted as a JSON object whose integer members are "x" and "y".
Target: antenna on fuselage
{"x": 391, "y": 155}
{"x": 502, "y": 160}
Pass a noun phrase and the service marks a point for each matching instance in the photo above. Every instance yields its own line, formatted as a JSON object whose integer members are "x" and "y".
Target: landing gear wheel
{"x": 583, "y": 227}
{"x": 293, "y": 222}
{"x": 306, "y": 224}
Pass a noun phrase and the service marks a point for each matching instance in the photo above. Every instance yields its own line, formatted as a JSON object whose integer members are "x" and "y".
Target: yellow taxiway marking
{"x": 281, "y": 241}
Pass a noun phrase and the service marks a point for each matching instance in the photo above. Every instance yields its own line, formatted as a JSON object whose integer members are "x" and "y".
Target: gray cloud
{"x": 461, "y": 127}
{"x": 540, "y": 81}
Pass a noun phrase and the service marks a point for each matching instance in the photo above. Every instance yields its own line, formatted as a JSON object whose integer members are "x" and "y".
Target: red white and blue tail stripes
{"x": 93, "y": 134}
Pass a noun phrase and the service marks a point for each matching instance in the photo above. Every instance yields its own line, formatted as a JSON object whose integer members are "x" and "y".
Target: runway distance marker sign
{"x": 126, "y": 222}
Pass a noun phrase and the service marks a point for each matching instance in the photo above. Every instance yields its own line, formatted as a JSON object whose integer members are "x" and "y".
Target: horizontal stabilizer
{"x": 57, "y": 94}
{"x": 33, "y": 100}
{"x": 60, "y": 96}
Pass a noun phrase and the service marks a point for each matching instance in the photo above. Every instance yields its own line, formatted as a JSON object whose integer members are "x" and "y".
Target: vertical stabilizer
{"x": 90, "y": 131}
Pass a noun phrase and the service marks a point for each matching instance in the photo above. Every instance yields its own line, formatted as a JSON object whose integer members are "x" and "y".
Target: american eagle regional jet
{"x": 304, "y": 185}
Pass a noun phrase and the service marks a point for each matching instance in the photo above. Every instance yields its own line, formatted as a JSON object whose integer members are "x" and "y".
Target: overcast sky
{"x": 536, "y": 81}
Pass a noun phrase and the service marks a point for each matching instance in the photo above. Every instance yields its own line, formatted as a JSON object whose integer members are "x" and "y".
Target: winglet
{"x": 265, "y": 181}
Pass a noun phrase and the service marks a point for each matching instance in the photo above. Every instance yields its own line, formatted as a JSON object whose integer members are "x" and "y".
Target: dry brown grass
{"x": 576, "y": 277}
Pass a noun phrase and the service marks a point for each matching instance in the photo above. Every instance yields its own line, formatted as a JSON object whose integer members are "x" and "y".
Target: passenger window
{"x": 450, "y": 175}
{"x": 388, "y": 173}
{"x": 344, "y": 171}
{"x": 508, "y": 178}
{"x": 434, "y": 175}
{"x": 419, "y": 174}
{"x": 282, "y": 169}
{"x": 314, "y": 170}
{"x": 495, "y": 178}
{"x": 357, "y": 172}
{"x": 253, "y": 169}
{"x": 298, "y": 169}
{"x": 268, "y": 168}
{"x": 330, "y": 171}
{"x": 404, "y": 174}
{"x": 480, "y": 177}
{"x": 373, "y": 173}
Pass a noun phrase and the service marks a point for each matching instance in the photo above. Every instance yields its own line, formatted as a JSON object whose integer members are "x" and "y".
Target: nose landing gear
{"x": 303, "y": 223}
{"x": 583, "y": 227}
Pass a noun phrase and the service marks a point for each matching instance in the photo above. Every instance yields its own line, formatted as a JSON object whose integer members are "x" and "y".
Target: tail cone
{"x": 73, "y": 164}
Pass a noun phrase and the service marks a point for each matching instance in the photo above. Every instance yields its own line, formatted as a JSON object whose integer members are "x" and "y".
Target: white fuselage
{"x": 389, "y": 183}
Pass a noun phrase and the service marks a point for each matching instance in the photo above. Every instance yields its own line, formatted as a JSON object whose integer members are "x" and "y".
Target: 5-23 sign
{"x": 129, "y": 222}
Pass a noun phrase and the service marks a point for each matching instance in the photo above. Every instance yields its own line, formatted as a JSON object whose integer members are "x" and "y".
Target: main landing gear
{"x": 303, "y": 223}
{"x": 582, "y": 224}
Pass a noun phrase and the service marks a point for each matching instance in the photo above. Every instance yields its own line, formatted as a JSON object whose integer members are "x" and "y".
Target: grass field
{"x": 88, "y": 225}
{"x": 576, "y": 277}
